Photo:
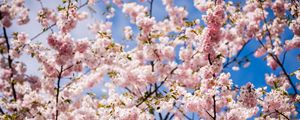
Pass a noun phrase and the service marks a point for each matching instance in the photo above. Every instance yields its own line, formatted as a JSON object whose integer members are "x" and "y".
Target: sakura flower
{"x": 271, "y": 62}
{"x": 297, "y": 74}
{"x": 128, "y": 32}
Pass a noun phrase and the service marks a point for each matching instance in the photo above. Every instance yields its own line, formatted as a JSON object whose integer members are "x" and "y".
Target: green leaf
{"x": 91, "y": 94}
{"x": 60, "y": 8}
{"x": 10, "y": 117}
{"x": 32, "y": 54}
{"x": 183, "y": 37}
{"x": 112, "y": 74}
{"x": 128, "y": 57}
{"x": 151, "y": 110}
{"x": 101, "y": 105}
{"x": 108, "y": 7}
{"x": 68, "y": 101}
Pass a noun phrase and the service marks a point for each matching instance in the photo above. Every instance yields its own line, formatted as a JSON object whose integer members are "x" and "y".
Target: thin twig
{"x": 209, "y": 114}
{"x": 172, "y": 116}
{"x": 187, "y": 117}
{"x": 160, "y": 116}
{"x": 151, "y": 6}
{"x": 129, "y": 91}
{"x": 166, "y": 117}
{"x": 215, "y": 111}
{"x": 1, "y": 111}
{"x": 57, "y": 91}
{"x": 209, "y": 59}
{"x": 266, "y": 23}
{"x": 237, "y": 55}
{"x": 282, "y": 114}
{"x": 284, "y": 55}
{"x": 156, "y": 89}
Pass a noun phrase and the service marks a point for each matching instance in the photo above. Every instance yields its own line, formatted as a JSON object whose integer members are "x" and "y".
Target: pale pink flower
{"x": 295, "y": 26}
{"x": 260, "y": 52}
{"x": 297, "y": 74}
{"x": 128, "y": 33}
{"x": 279, "y": 8}
{"x": 82, "y": 45}
{"x": 5, "y": 73}
{"x": 6, "y": 22}
{"x": 271, "y": 62}
{"x": 91, "y": 2}
{"x": 292, "y": 44}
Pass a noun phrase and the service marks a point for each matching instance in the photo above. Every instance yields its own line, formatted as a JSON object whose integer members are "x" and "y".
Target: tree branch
{"x": 156, "y": 88}
{"x": 151, "y": 6}
{"x": 209, "y": 59}
{"x": 187, "y": 117}
{"x": 284, "y": 55}
{"x": 160, "y": 116}
{"x": 209, "y": 114}
{"x": 282, "y": 114}
{"x": 57, "y": 91}
{"x": 10, "y": 60}
{"x": 215, "y": 111}
{"x": 237, "y": 55}
{"x": 1, "y": 111}
{"x": 266, "y": 23}
{"x": 275, "y": 58}
{"x": 166, "y": 117}
{"x": 172, "y": 116}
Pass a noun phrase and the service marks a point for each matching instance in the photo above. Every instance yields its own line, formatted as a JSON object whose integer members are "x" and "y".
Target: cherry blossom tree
{"x": 153, "y": 79}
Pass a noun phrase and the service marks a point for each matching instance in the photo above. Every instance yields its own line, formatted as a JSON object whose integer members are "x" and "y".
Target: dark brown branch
{"x": 187, "y": 117}
{"x": 152, "y": 65}
{"x": 275, "y": 58}
{"x": 156, "y": 89}
{"x": 209, "y": 114}
{"x": 172, "y": 116}
{"x": 266, "y": 23}
{"x": 160, "y": 116}
{"x": 209, "y": 59}
{"x": 167, "y": 116}
{"x": 10, "y": 60}
{"x": 284, "y": 55}
{"x": 288, "y": 76}
{"x": 151, "y": 6}
{"x": 44, "y": 30}
{"x": 282, "y": 114}
{"x": 1, "y": 111}
{"x": 57, "y": 91}
{"x": 238, "y": 60}
{"x": 237, "y": 55}
{"x": 129, "y": 91}
{"x": 151, "y": 92}
{"x": 215, "y": 111}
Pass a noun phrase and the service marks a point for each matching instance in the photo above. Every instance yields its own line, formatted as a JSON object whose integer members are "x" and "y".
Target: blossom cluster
{"x": 177, "y": 67}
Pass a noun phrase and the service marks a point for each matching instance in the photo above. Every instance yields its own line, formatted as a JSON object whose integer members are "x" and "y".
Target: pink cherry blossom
{"x": 175, "y": 64}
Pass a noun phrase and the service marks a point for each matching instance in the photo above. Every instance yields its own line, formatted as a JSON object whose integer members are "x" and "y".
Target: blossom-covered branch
{"x": 134, "y": 60}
